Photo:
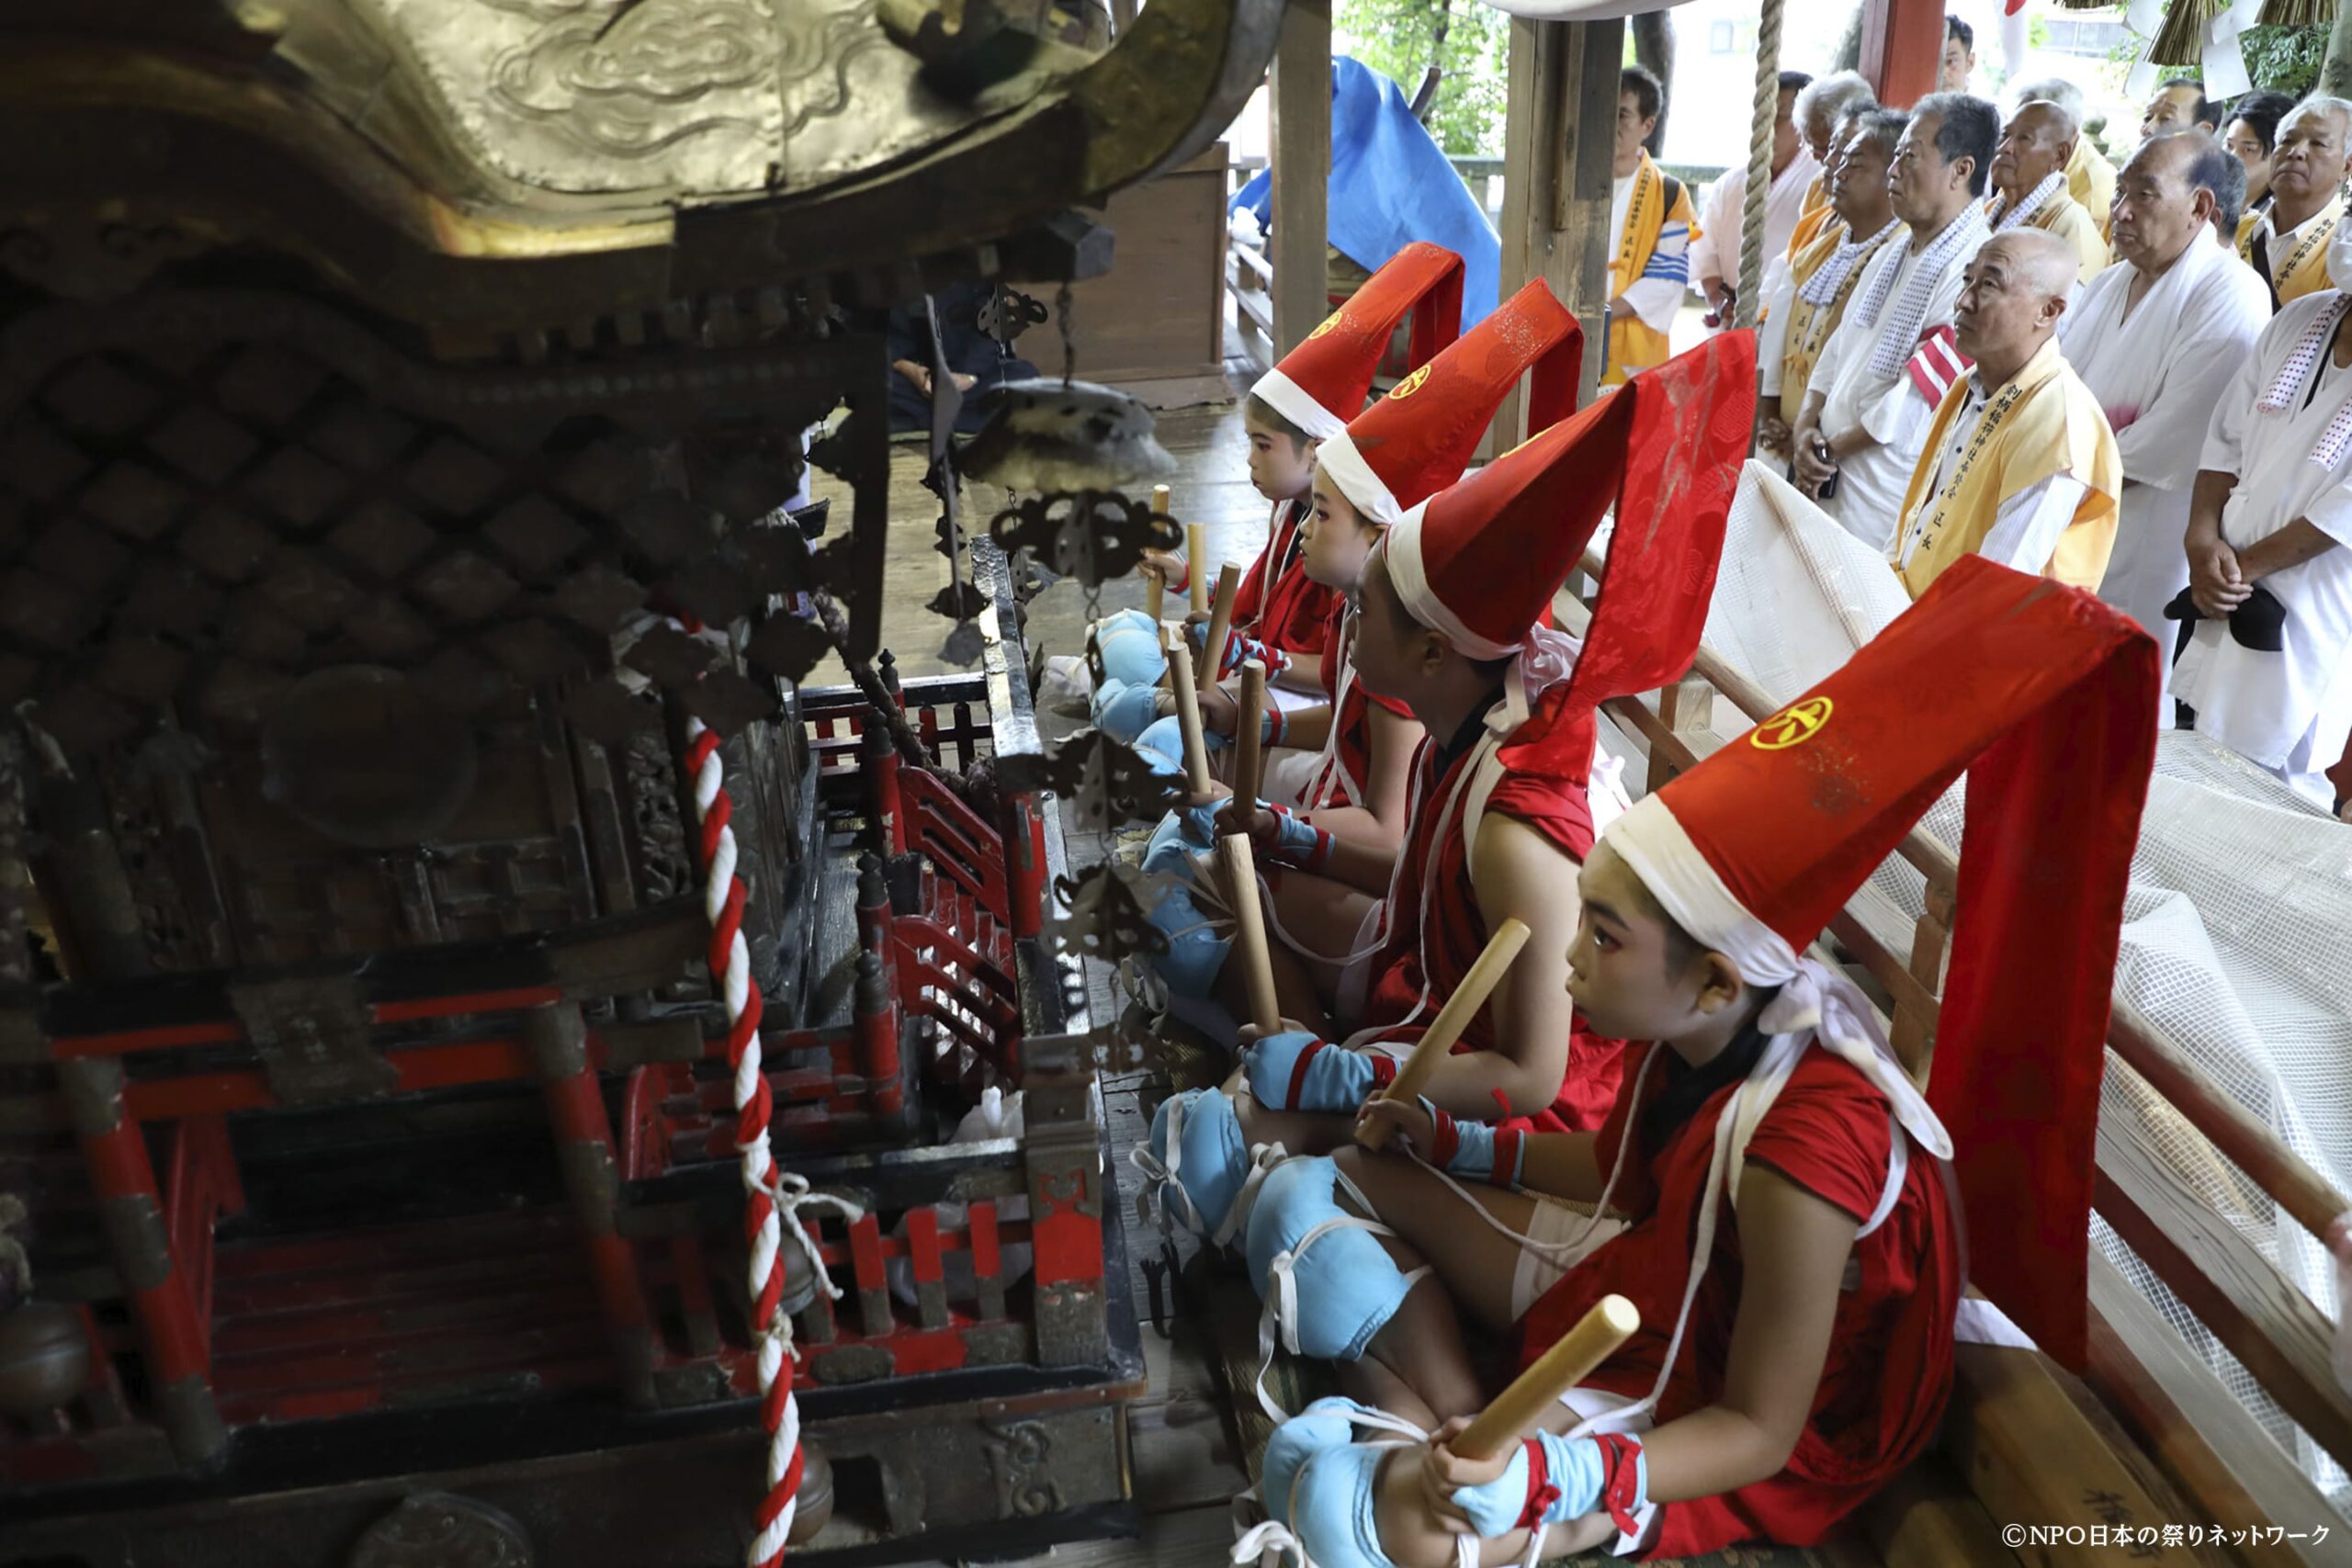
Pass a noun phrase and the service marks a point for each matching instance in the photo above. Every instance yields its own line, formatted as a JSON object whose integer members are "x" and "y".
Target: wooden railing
{"x": 2167, "y": 1397}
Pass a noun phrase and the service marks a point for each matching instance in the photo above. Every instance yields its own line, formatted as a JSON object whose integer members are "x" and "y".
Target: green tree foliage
{"x": 2279, "y": 60}
{"x": 2284, "y": 60}
{"x": 1467, "y": 41}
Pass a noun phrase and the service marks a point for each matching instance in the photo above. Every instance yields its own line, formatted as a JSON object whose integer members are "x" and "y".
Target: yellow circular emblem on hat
{"x": 1411, "y": 384}
{"x": 1329, "y": 321}
{"x": 1799, "y": 721}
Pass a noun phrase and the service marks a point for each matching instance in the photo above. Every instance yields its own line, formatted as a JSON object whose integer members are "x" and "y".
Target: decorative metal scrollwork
{"x": 1105, "y": 917}
{"x": 1092, "y": 535}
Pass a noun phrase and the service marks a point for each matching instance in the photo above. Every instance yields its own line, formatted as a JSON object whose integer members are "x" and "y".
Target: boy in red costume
{"x": 1317, "y": 388}
{"x": 1281, "y": 615}
{"x": 1796, "y": 1241}
{"x": 1397, "y": 453}
{"x": 1391, "y": 458}
{"x": 1454, "y": 617}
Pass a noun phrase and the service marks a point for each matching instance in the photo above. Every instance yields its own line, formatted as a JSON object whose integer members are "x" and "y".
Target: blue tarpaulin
{"x": 1391, "y": 185}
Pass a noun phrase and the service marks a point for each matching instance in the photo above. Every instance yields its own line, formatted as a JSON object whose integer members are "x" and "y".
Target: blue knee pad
{"x": 1128, "y": 644}
{"x": 1343, "y": 1282}
{"x": 1196, "y": 953}
{"x": 1196, "y": 1160}
{"x": 1123, "y": 709}
{"x": 1318, "y": 1484}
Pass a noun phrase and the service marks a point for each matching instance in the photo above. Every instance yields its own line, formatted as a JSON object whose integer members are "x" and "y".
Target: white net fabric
{"x": 2235, "y": 926}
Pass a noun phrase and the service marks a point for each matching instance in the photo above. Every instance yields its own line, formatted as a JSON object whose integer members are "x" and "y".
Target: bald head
{"x": 2011, "y": 296}
{"x": 2047, "y": 262}
{"x": 2035, "y": 144}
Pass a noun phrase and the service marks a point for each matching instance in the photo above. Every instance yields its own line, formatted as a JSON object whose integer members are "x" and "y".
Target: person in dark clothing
{"x": 977, "y": 361}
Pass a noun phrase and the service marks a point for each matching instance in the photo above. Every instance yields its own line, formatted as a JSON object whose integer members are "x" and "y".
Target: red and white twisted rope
{"x": 771, "y": 1199}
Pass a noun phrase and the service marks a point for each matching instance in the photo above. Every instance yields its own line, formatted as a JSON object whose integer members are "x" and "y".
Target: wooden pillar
{"x": 1557, "y": 143}
{"x": 1903, "y": 43}
{"x": 1300, "y": 103}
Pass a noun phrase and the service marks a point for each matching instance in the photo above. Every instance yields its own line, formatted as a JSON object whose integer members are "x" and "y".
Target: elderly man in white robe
{"x": 1871, "y": 400}
{"x": 2268, "y": 668}
{"x": 1714, "y": 254}
{"x": 2157, "y": 338}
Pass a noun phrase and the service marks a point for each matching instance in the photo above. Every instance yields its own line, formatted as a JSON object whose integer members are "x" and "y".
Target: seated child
{"x": 1395, "y": 454}
{"x": 1791, "y": 1233}
{"x": 1279, "y": 615}
{"x": 1450, "y": 619}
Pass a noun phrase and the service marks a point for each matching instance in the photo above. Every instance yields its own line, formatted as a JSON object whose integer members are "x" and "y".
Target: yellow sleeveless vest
{"x": 1813, "y": 215}
{"x": 2043, "y": 424}
{"x": 1810, "y": 325}
{"x": 2302, "y": 268}
{"x": 1633, "y": 344}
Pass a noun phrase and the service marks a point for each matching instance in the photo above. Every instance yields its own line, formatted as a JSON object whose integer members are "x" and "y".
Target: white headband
{"x": 1541, "y": 660}
{"x": 1355, "y": 478}
{"x": 1685, "y": 885}
{"x": 1295, "y": 403}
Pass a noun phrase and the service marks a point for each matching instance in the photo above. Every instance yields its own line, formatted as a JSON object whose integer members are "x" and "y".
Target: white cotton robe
{"x": 1896, "y": 413}
{"x": 1717, "y": 248}
{"x": 2288, "y": 711}
{"x": 2159, "y": 373}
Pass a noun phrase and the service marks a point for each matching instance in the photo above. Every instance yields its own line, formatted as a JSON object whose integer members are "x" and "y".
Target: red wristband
{"x": 1507, "y": 1157}
{"x": 1298, "y": 1074}
{"x": 1540, "y": 1493}
{"x": 1445, "y": 1141}
{"x": 1621, "y": 1484}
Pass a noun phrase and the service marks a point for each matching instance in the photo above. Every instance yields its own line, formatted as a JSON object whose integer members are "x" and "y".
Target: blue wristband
{"x": 1299, "y": 843}
{"x": 1476, "y": 1150}
{"x": 1574, "y": 1469}
{"x": 1295, "y": 1071}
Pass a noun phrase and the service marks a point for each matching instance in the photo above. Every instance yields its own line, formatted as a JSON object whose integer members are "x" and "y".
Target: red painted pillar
{"x": 558, "y": 1039}
{"x": 1025, "y": 862}
{"x": 877, "y": 1037}
{"x": 1903, "y": 44}
{"x": 131, "y": 1211}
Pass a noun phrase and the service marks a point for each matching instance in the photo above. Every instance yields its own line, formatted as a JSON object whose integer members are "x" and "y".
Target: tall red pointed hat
{"x": 1416, "y": 440}
{"x": 1481, "y": 560}
{"x": 2047, "y": 699}
{"x": 1322, "y": 383}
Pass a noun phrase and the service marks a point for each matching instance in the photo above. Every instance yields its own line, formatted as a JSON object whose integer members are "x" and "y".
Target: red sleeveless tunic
{"x": 1544, "y": 767}
{"x": 1890, "y": 1365}
{"x": 1351, "y": 721}
{"x": 1277, "y": 603}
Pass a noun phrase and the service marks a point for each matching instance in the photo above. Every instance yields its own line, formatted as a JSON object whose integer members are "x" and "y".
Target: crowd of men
{"x": 1980, "y": 336}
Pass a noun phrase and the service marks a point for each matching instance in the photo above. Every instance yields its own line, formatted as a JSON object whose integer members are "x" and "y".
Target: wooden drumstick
{"x": 1447, "y": 1027}
{"x": 1188, "y": 709}
{"x": 1196, "y": 563}
{"x": 1249, "y": 760}
{"x": 1399, "y": 1504}
{"x": 1229, "y": 584}
{"x": 1249, "y": 931}
{"x": 1155, "y": 594}
{"x": 1510, "y": 1413}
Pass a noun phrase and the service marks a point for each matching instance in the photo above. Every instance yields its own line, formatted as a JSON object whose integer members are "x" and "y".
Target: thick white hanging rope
{"x": 1767, "y": 115}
